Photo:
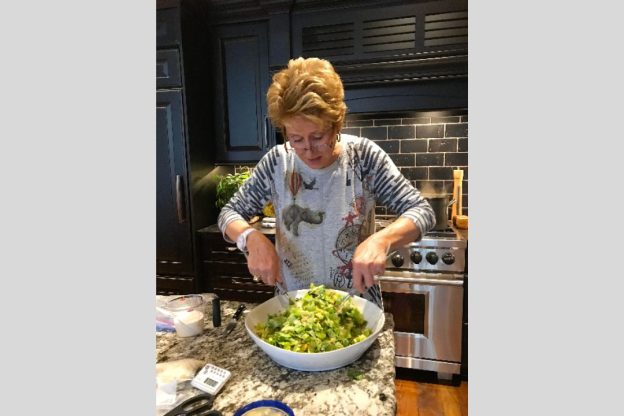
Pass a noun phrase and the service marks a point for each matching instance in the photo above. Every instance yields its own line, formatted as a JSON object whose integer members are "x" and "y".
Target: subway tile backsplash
{"x": 425, "y": 146}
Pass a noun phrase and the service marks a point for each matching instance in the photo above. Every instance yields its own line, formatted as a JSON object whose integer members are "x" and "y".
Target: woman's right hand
{"x": 262, "y": 260}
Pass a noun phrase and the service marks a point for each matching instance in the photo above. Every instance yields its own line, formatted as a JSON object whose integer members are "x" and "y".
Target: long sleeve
{"x": 251, "y": 196}
{"x": 392, "y": 189}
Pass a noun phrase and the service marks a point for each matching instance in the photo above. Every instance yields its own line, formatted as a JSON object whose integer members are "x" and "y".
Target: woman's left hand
{"x": 369, "y": 260}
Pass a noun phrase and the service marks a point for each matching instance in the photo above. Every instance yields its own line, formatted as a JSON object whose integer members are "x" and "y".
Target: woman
{"x": 324, "y": 187}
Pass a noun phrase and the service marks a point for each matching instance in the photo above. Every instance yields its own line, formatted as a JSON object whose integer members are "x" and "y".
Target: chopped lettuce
{"x": 314, "y": 323}
{"x": 355, "y": 374}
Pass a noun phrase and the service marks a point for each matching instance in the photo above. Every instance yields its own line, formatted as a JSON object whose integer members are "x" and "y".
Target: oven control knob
{"x": 432, "y": 257}
{"x": 448, "y": 258}
{"x": 416, "y": 257}
{"x": 397, "y": 260}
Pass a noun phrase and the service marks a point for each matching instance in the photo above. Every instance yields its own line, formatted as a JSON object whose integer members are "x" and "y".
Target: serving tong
{"x": 349, "y": 295}
{"x": 283, "y": 295}
{"x": 285, "y": 302}
{"x": 353, "y": 291}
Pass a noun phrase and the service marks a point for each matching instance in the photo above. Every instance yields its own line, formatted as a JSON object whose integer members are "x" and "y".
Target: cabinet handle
{"x": 180, "y": 205}
{"x": 237, "y": 281}
{"x": 231, "y": 249}
{"x": 420, "y": 281}
{"x": 265, "y": 143}
{"x": 245, "y": 282}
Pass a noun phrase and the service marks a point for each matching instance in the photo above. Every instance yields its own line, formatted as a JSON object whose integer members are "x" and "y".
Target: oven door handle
{"x": 419, "y": 280}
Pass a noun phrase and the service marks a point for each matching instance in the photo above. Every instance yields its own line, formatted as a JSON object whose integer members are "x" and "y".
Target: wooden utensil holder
{"x": 459, "y": 219}
{"x": 458, "y": 177}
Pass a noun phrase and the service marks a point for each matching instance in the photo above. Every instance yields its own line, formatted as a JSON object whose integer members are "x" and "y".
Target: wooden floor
{"x": 429, "y": 399}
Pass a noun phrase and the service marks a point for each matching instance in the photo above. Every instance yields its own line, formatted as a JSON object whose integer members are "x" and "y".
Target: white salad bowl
{"x": 315, "y": 361}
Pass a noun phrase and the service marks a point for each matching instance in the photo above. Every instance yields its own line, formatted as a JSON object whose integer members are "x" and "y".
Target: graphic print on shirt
{"x": 355, "y": 230}
{"x": 359, "y": 209}
{"x": 310, "y": 185}
{"x": 346, "y": 242}
{"x": 294, "y": 214}
{"x": 357, "y": 167}
{"x": 295, "y": 260}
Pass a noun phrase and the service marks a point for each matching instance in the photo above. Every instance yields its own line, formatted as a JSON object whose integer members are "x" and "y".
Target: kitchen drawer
{"x": 167, "y": 28}
{"x": 227, "y": 255}
{"x": 243, "y": 295}
{"x": 174, "y": 285}
{"x": 226, "y": 268}
{"x": 240, "y": 287}
{"x": 168, "y": 68}
{"x": 232, "y": 281}
{"x": 239, "y": 283}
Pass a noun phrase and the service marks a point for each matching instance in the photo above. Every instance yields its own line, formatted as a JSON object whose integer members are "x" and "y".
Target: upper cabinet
{"x": 249, "y": 40}
{"x": 168, "y": 26}
{"x": 370, "y": 44}
{"x": 242, "y": 131}
{"x": 391, "y": 55}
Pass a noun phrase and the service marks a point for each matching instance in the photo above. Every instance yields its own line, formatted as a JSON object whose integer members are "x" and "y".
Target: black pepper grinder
{"x": 216, "y": 311}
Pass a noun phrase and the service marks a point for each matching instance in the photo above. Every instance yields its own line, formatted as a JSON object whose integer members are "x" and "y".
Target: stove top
{"x": 446, "y": 233}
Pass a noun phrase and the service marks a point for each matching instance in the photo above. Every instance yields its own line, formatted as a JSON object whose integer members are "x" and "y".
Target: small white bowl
{"x": 315, "y": 361}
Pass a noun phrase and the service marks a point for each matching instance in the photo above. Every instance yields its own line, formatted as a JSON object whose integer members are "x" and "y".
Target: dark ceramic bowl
{"x": 265, "y": 404}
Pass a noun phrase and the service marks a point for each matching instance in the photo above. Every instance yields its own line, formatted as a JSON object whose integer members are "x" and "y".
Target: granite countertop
{"x": 255, "y": 376}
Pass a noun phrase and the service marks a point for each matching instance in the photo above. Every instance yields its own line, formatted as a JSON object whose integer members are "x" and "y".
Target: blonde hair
{"x": 310, "y": 88}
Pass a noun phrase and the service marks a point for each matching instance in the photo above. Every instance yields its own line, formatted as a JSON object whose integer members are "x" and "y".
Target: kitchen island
{"x": 365, "y": 387}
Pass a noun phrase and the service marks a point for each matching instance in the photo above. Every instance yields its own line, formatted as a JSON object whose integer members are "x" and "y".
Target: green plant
{"x": 228, "y": 185}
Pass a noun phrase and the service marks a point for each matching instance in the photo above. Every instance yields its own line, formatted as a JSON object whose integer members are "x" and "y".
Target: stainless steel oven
{"x": 423, "y": 288}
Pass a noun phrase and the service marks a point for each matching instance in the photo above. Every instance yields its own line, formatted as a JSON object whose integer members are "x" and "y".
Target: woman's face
{"x": 316, "y": 147}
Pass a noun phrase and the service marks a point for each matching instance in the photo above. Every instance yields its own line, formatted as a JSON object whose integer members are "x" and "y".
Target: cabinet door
{"x": 242, "y": 130}
{"x": 408, "y": 31}
{"x": 168, "y": 74}
{"x": 173, "y": 228}
{"x": 167, "y": 27}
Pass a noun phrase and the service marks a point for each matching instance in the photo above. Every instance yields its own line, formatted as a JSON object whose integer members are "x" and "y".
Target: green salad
{"x": 313, "y": 323}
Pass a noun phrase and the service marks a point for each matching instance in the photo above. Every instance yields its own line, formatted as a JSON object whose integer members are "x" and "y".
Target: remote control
{"x": 211, "y": 379}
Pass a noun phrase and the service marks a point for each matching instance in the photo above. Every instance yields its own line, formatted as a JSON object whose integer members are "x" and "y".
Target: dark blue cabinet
{"x": 242, "y": 130}
{"x": 183, "y": 157}
{"x": 173, "y": 226}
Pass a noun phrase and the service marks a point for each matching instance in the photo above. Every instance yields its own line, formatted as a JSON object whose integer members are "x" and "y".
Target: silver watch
{"x": 241, "y": 240}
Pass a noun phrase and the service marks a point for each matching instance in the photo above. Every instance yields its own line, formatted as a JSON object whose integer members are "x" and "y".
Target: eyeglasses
{"x": 315, "y": 143}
